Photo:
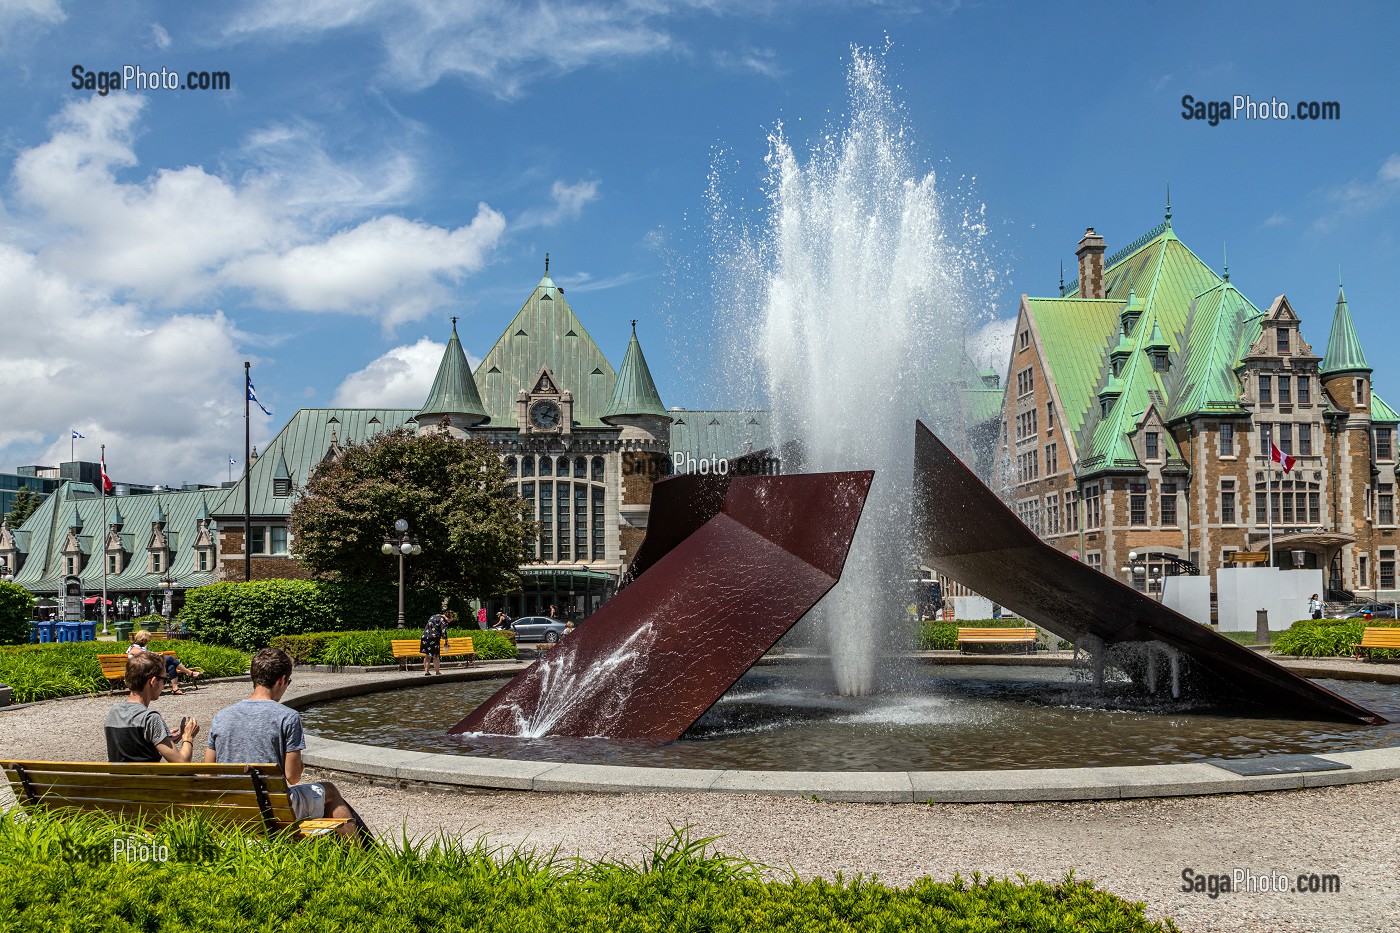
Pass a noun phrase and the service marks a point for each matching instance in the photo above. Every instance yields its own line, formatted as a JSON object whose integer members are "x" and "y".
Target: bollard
{"x": 1261, "y": 626}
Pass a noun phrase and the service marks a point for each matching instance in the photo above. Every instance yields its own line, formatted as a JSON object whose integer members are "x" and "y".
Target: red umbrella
{"x": 92, "y": 600}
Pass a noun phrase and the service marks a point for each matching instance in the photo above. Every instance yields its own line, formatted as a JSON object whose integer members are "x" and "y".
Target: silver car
{"x": 538, "y": 628}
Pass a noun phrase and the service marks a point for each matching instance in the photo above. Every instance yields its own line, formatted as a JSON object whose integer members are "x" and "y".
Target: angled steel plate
{"x": 966, "y": 532}
{"x": 736, "y": 563}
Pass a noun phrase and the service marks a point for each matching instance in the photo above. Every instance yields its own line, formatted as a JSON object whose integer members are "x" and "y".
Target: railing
{"x": 1140, "y": 242}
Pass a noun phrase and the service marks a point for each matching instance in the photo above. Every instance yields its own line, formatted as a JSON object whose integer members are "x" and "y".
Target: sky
{"x": 375, "y": 168}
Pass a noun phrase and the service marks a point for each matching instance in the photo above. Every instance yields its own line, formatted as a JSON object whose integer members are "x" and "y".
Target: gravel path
{"x": 1137, "y": 849}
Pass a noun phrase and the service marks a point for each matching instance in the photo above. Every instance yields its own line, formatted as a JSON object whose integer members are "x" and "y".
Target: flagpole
{"x": 105, "y": 531}
{"x": 1269, "y": 504}
{"x": 247, "y": 475}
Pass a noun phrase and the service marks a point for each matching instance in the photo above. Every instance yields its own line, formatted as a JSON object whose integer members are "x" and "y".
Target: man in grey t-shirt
{"x": 260, "y": 730}
{"x": 137, "y": 733}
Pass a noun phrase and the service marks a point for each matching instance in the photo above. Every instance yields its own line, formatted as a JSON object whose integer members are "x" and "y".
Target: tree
{"x": 15, "y": 607}
{"x": 26, "y": 502}
{"x": 453, "y": 493}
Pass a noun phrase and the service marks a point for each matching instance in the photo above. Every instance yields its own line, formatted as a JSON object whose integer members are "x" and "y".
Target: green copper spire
{"x": 634, "y": 392}
{"x": 454, "y": 391}
{"x": 1343, "y": 346}
{"x": 159, "y": 515}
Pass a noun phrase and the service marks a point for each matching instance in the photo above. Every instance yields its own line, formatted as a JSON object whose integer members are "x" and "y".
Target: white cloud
{"x": 758, "y": 61}
{"x": 989, "y": 347}
{"x": 387, "y": 267}
{"x": 48, "y": 11}
{"x": 569, "y": 201}
{"x": 180, "y": 235}
{"x": 159, "y": 36}
{"x": 500, "y": 46}
{"x": 400, "y": 378}
{"x": 161, "y": 393}
{"x": 1363, "y": 196}
{"x": 585, "y": 282}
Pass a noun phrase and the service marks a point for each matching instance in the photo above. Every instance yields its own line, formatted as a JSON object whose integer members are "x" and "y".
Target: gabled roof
{"x": 1221, "y": 324}
{"x": 634, "y": 391}
{"x": 1077, "y": 336}
{"x": 714, "y": 435}
{"x": 47, "y": 530}
{"x": 454, "y": 391}
{"x": 1344, "y": 353}
{"x": 546, "y": 332}
{"x": 1381, "y": 413}
{"x": 301, "y": 445}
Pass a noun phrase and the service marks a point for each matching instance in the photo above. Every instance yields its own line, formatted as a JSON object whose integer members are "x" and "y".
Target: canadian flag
{"x": 1278, "y": 456}
{"x": 106, "y": 480}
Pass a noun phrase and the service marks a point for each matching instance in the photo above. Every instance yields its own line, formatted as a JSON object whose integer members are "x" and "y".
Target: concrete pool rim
{"x": 1001, "y": 786}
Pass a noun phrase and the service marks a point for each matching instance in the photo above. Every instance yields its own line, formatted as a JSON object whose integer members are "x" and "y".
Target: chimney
{"x": 1090, "y": 255}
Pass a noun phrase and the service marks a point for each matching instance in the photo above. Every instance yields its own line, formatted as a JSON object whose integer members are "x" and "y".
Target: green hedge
{"x": 16, "y": 608}
{"x": 43, "y": 672}
{"x": 372, "y": 647}
{"x": 250, "y": 615}
{"x": 59, "y": 874}
{"x": 1328, "y": 638}
{"x": 943, "y": 636}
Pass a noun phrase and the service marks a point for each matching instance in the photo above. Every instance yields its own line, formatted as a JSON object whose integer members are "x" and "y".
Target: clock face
{"x": 545, "y": 415}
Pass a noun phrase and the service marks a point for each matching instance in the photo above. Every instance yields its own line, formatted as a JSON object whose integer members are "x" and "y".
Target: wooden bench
{"x": 251, "y": 795}
{"x": 997, "y": 636}
{"x": 1377, "y": 636}
{"x": 114, "y": 669}
{"x": 405, "y": 648}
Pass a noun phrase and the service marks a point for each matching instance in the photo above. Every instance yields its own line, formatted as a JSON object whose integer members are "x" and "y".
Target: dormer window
{"x": 1116, "y": 367}
{"x": 1152, "y": 445}
{"x": 1283, "y": 340}
{"x": 1159, "y": 362}
{"x": 281, "y": 488}
{"x": 156, "y": 562}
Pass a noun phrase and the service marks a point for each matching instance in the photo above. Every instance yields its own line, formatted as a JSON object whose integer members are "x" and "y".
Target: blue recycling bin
{"x": 87, "y": 631}
{"x": 66, "y": 631}
{"x": 44, "y": 631}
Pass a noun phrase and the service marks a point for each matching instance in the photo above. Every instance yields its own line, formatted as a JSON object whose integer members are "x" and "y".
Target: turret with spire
{"x": 1345, "y": 373}
{"x": 454, "y": 395}
{"x": 635, "y": 405}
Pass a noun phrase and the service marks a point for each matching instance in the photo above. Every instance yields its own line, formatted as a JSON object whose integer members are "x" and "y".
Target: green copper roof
{"x": 301, "y": 445}
{"x": 1381, "y": 413}
{"x": 546, "y": 332}
{"x": 114, "y": 517}
{"x": 1221, "y": 327}
{"x": 634, "y": 392}
{"x": 159, "y": 514}
{"x": 1079, "y": 335}
{"x": 719, "y": 435}
{"x": 1343, "y": 346}
{"x": 454, "y": 391}
{"x": 203, "y": 514}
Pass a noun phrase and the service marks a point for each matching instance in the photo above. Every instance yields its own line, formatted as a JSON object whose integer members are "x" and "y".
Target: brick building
{"x": 1140, "y": 407}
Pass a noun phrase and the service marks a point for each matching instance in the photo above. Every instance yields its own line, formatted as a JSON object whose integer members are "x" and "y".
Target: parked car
{"x": 1374, "y": 610}
{"x": 538, "y": 628}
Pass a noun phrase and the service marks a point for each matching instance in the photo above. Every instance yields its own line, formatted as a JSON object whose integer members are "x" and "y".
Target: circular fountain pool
{"x": 955, "y": 718}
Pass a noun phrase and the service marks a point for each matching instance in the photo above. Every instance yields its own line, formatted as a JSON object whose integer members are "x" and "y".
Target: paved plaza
{"x": 1135, "y": 848}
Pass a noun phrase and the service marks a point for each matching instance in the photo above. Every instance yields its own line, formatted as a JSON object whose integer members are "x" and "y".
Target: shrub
{"x": 943, "y": 636}
{"x": 373, "y": 647}
{"x": 16, "y": 606}
{"x": 44, "y": 672}
{"x": 251, "y": 615}
{"x": 58, "y": 873}
{"x": 1328, "y": 638}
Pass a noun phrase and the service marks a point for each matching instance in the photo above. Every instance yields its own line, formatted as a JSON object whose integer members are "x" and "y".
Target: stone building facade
{"x": 1142, "y": 405}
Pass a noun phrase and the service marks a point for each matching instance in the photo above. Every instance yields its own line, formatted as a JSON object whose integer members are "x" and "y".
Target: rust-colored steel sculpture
{"x": 760, "y": 551}
{"x": 966, "y": 532}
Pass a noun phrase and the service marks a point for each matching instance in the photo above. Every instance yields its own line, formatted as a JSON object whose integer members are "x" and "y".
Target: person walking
{"x": 1315, "y": 607}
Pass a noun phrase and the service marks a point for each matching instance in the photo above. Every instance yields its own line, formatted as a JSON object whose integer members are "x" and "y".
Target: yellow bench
{"x": 114, "y": 669}
{"x": 405, "y": 648}
{"x": 1377, "y": 636}
{"x": 251, "y": 795}
{"x": 997, "y": 636}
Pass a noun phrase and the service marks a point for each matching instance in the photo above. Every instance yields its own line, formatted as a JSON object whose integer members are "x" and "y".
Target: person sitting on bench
{"x": 137, "y": 733}
{"x": 173, "y": 668}
{"x": 260, "y": 730}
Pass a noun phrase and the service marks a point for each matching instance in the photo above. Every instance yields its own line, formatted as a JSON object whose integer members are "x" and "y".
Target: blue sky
{"x": 377, "y": 167}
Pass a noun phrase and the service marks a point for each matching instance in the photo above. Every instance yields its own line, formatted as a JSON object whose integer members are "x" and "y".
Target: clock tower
{"x": 544, "y": 409}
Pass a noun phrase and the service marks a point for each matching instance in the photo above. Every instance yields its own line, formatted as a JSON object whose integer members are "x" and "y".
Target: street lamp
{"x": 400, "y": 542}
{"x": 167, "y": 583}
